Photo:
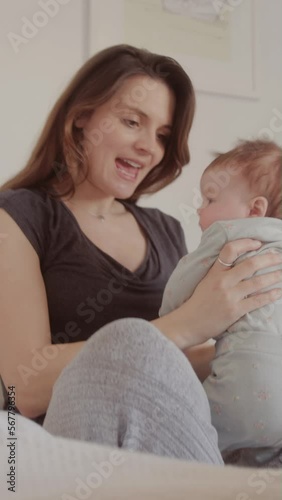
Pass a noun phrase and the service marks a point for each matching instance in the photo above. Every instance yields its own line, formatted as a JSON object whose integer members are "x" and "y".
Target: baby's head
{"x": 244, "y": 182}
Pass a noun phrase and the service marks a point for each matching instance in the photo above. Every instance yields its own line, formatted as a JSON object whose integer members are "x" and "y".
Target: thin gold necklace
{"x": 101, "y": 217}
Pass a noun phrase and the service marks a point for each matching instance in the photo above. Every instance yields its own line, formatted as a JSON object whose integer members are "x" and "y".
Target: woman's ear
{"x": 258, "y": 206}
{"x": 81, "y": 120}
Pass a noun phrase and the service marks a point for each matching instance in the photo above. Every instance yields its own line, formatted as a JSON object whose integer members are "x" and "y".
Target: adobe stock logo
{"x": 40, "y": 19}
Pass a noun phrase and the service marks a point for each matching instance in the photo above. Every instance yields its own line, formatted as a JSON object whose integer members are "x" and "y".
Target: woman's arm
{"x": 223, "y": 296}
{"x": 28, "y": 361}
{"x": 200, "y": 358}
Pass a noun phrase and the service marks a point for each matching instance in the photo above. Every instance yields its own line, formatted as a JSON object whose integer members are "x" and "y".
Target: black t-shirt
{"x": 85, "y": 287}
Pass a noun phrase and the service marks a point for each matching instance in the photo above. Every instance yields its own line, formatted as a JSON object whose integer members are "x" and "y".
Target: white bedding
{"x": 53, "y": 468}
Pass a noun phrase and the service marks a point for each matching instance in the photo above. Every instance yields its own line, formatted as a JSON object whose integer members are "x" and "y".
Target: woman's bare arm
{"x": 27, "y": 359}
{"x": 200, "y": 358}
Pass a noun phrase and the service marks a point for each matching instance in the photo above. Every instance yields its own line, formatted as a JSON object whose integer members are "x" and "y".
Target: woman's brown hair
{"x": 59, "y": 145}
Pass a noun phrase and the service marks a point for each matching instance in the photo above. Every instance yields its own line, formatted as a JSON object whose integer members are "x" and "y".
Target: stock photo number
{"x": 11, "y": 439}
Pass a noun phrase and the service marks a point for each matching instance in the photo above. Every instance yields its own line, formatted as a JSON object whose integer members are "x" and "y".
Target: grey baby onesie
{"x": 245, "y": 385}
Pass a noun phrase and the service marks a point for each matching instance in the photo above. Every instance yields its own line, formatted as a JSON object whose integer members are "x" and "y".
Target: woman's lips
{"x": 126, "y": 171}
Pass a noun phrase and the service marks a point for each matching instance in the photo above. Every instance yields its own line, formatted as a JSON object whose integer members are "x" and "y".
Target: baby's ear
{"x": 258, "y": 206}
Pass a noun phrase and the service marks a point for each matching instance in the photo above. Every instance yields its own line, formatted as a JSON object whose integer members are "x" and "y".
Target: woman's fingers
{"x": 232, "y": 250}
{"x": 256, "y": 301}
{"x": 247, "y": 268}
{"x": 258, "y": 283}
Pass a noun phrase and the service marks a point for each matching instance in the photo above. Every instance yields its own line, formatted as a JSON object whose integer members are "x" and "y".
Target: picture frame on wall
{"x": 214, "y": 40}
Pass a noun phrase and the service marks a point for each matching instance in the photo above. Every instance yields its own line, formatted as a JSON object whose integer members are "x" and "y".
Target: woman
{"x": 91, "y": 256}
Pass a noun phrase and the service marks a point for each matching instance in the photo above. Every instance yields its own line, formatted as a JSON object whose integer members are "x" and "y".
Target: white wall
{"x": 34, "y": 70}
{"x": 221, "y": 120}
{"x": 33, "y": 78}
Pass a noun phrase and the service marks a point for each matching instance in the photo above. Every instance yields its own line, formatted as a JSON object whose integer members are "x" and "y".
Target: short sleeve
{"x": 28, "y": 208}
{"x": 177, "y": 235}
{"x": 172, "y": 229}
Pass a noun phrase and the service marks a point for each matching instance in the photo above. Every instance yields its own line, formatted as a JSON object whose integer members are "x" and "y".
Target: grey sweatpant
{"x": 131, "y": 387}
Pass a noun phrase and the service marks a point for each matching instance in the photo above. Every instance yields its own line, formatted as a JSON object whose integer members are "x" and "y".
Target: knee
{"x": 125, "y": 330}
{"x": 131, "y": 341}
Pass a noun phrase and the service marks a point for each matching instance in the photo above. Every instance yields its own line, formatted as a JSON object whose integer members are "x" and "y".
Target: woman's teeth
{"x": 127, "y": 168}
{"x": 132, "y": 163}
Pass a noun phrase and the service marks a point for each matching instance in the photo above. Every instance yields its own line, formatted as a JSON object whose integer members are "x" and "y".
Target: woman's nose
{"x": 146, "y": 142}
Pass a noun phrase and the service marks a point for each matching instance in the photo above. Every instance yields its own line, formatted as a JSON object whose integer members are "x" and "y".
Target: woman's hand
{"x": 223, "y": 296}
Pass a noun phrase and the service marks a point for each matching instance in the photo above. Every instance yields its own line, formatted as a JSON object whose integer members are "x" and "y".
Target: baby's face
{"x": 224, "y": 197}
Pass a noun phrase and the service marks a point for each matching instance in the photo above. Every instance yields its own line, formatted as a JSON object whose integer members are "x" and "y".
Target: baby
{"x": 241, "y": 193}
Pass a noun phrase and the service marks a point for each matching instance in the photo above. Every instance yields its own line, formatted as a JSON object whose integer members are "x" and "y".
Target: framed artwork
{"x": 214, "y": 40}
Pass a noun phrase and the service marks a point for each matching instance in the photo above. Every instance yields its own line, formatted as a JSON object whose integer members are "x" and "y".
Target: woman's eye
{"x": 130, "y": 123}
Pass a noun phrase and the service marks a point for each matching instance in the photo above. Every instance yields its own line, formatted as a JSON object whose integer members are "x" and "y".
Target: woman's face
{"x": 125, "y": 138}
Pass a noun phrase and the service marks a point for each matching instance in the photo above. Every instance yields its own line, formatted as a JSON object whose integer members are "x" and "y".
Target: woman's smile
{"x": 128, "y": 169}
